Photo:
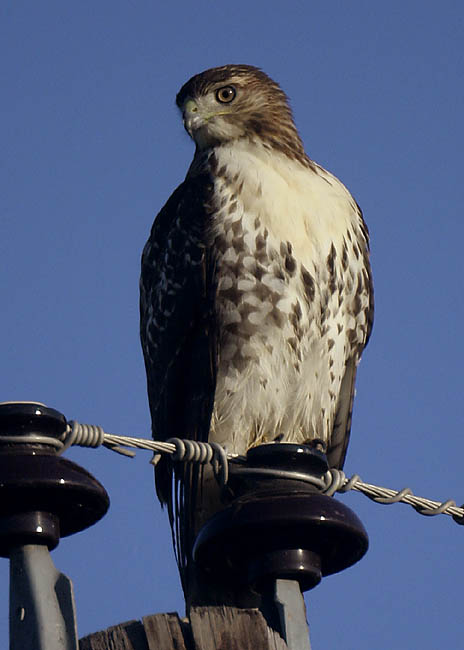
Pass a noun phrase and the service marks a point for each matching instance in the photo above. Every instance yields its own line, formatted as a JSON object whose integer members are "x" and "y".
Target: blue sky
{"x": 92, "y": 146}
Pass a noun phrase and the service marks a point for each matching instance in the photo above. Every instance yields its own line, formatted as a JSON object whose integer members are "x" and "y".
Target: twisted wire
{"x": 193, "y": 451}
{"x": 190, "y": 451}
{"x": 336, "y": 481}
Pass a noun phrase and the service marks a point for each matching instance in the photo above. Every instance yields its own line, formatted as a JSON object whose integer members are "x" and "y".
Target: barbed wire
{"x": 88, "y": 435}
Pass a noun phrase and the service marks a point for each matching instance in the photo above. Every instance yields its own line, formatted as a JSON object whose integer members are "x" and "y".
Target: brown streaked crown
{"x": 261, "y": 108}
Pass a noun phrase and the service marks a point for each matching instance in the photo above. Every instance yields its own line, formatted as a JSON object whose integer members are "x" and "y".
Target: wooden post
{"x": 208, "y": 628}
{"x": 278, "y": 535}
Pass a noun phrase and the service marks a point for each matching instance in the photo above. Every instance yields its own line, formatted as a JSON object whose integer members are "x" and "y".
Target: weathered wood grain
{"x": 209, "y": 628}
{"x": 126, "y": 636}
{"x": 231, "y": 628}
{"x": 166, "y": 632}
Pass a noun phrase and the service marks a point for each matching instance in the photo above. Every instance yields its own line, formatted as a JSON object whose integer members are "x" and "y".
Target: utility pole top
{"x": 208, "y": 628}
{"x": 272, "y": 536}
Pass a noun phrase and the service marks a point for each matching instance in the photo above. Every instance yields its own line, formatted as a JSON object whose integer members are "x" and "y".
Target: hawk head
{"x": 233, "y": 102}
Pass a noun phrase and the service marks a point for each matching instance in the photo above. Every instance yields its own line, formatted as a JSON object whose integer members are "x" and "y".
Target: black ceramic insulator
{"x": 26, "y": 418}
{"x": 288, "y": 456}
{"x": 42, "y": 496}
{"x": 280, "y": 528}
{"x": 33, "y": 527}
{"x": 289, "y": 564}
{"x": 276, "y": 457}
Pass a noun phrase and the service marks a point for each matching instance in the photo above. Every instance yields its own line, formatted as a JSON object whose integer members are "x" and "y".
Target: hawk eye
{"x": 226, "y": 94}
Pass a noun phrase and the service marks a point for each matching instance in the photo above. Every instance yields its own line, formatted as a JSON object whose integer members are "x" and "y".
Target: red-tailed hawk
{"x": 256, "y": 291}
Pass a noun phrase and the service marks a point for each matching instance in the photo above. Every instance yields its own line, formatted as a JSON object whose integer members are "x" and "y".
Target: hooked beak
{"x": 191, "y": 116}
